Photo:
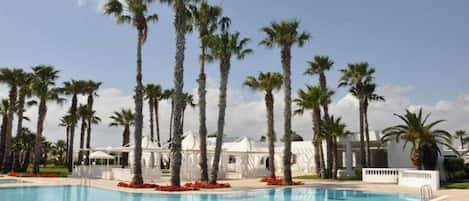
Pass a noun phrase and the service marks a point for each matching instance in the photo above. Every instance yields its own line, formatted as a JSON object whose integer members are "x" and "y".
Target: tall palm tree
{"x": 222, "y": 47}
{"x": 43, "y": 83}
{"x": 73, "y": 88}
{"x": 205, "y": 19}
{"x": 319, "y": 65}
{"x": 188, "y": 101}
{"x": 285, "y": 35}
{"x": 67, "y": 121}
{"x": 92, "y": 120}
{"x": 419, "y": 133}
{"x": 355, "y": 76}
{"x": 268, "y": 83}
{"x": 461, "y": 135}
{"x": 85, "y": 115}
{"x": 4, "y": 112}
{"x": 135, "y": 12}
{"x": 91, "y": 90}
{"x": 169, "y": 95}
{"x": 183, "y": 25}
{"x": 12, "y": 78}
{"x": 370, "y": 95}
{"x": 24, "y": 92}
{"x": 126, "y": 119}
{"x": 312, "y": 99}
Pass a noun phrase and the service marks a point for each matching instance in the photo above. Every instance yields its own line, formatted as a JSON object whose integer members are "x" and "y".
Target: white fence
{"x": 418, "y": 178}
{"x": 402, "y": 177}
{"x": 110, "y": 173}
{"x": 380, "y": 175}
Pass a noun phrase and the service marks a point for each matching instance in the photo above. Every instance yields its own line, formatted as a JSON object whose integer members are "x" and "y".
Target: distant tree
{"x": 126, "y": 119}
{"x": 462, "y": 136}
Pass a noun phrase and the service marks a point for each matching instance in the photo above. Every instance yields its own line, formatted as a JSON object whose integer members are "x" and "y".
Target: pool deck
{"x": 242, "y": 185}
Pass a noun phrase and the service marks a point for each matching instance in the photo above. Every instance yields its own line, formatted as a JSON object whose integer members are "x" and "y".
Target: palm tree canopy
{"x": 153, "y": 91}
{"x": 369, "y": 92}
{"x": 205, "y": 17}
{"x": 12, "y": 77}
{"x": 224, "y": 45}
{"x": 188, "y": 100}
{"x": 417, "y": 131}
{"x": 74, "y": 87}
{"x": 311, "y": 98}
{"x": 183, "y": 8}
{"x": 124, "y": 117}
{"x": 318, "y": 65}
{"x": 132, "y": 11}
{"x": 44, "y": 78}
{"x": 284, "y": 34}
{"x": 334, "y": 127}
{"x": 265, "y": 81}
{"x": 91, "y": 87}
{"x": 356, "y": 74}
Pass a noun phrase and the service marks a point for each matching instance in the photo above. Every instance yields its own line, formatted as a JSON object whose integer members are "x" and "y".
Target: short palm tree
{"x": 222, "y": 47}
{"x": 91, "y": 90}
{"x": 85, "y": 115}
{"x": 135, "y": 12}
{"x": 43, "y": 88}
{"x": 73, "y": 88}
{"x": 126, "y": 119}
{"x": 419, "y": 133}
{"x": 66, "y": 121}
{"x": 333, "y": 128}
{"x": 205, "y": 20}
{"x": 188, "y": 102}
{"x": 462, "y": 136}
{"x": 312, "y": 99}
{"x": 319, "y": 65}
{"x": 183, "y": 24}
{"x": 268, "y": 83}
{"x": 285, "y": 35}
{"x": 355, "y": 76}
{"x": 12, "y": 78}
{"x": 152, "y": 94}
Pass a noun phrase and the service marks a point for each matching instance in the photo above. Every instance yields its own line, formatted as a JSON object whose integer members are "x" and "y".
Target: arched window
{"x": 231, "y": 159}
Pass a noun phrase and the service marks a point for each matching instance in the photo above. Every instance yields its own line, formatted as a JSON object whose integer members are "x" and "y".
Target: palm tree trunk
{"x": 286, "y": 62}
{"x": 125, "y": 142}
{"x": 416, "y": 157}
{"x": 67, "y": 130}
{"x": 362, "y": 136}
{"x": 269, "y": 104}
{"x": 152, "y": 126}
{"x": 157, "y": 121}
{"x": 224, "y": 73}
{"x": 318, "y": 152}
{"x": 82, "y": 140}
{"x": 19, "y": 128}
{"x": 90, "y": 122}
{"x": 6, "y": 165}
{"x": 367, "y": 134}
{"x": 40, "y": 127}
{"x": 176, "y": 157}
{"x": 202, "y": 118}
{"x": 137, "y": 169}
{"x": 329, "y": 140}
{"x": 171, "y": 120}
{"x": 73, "y": 111}
{"x": 334, "y": 158}
{"x": 2, "y": 135}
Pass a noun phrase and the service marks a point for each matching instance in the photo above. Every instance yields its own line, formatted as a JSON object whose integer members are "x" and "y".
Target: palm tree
{"x": 205, "y": 19}
{"x": 73, "y": 88}
{"x": 222, "y": 47}
{"x": 188, "y": 101}
{"x": 355, "y": 76}
{"x": 461, "y": 135}
{"x": 12, "y": 78}
{"x": 24, "y": 92}
{"x": 169, "y": 94}
{"x": 419, "y": 133}
{"x": 67, "y": 121}
{"x": 58, "y": 150}
{"x": 91, "y": 90}
{"x": 333, "y": 128}
{"x": 285, "y": 35}
{"x": 268, "y": 82}
{"x": 135, "y": 12}
{"x": 319, "y": 65}
{"x": 370, "y": 95}
{"x": 44, "y": 79}
{"x": 152, "y": 94}
{"x": 85, "y": 115}
{"x": 126, "y": 119}
{"x": 183, "y": 25}
{"x": 4, "y": 112}
{"x": 312, "y": 99}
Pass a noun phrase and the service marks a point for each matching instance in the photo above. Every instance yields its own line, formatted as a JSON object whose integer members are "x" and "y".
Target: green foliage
{"x": 358, "y": 172}
{"x": 462, "y": 185}
{"x": 308, "y": 177}
{"x": 455, "y": 168}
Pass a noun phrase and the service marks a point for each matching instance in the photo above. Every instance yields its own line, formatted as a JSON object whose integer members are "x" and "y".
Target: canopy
{"x": 244, "y": 144}
{"x": 190, "y": 141}
{"x": 100, "y": 155}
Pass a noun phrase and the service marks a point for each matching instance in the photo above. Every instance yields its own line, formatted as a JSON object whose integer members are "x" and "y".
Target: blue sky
{"x": 421, "y": 43}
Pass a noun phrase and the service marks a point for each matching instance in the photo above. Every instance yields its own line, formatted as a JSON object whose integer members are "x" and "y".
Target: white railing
{"x": 109, "y": 173}
{"x": 418, "y": 178}
{"x": 380, "y": 175}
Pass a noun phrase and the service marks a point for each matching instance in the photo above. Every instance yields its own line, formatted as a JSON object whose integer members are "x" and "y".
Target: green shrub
{"x": 455, "y": 168}
{"x": 358, "y": 172}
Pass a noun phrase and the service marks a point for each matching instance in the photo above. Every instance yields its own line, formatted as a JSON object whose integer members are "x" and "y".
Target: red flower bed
{"x": 279, "y": 182}
{"x": 175, "y": 188}
{"x": 127, "y": 185}
{"x": 29, "y": 174}
{"x": 199, "y": 184}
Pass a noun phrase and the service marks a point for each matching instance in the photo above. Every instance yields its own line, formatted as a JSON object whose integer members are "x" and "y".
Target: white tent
{"x": 101, "y": 155}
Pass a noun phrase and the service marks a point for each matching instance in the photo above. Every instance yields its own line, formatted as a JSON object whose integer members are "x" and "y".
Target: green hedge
{"x": 455, "y": 168}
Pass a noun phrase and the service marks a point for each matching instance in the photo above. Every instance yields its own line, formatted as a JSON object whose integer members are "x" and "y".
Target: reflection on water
{"x": 77, "y": 193}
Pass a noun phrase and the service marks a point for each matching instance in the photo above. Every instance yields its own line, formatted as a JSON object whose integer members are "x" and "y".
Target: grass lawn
{"x": 51, "y": 169}
{"x": 308, "y": 177}
{"x": 457, "y": 185}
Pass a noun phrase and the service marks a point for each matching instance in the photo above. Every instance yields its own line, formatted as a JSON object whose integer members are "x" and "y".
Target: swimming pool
{"x": 78, "y": 193}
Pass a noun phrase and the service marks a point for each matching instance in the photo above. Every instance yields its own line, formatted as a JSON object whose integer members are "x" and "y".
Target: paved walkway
{"x": 245, "y": 185}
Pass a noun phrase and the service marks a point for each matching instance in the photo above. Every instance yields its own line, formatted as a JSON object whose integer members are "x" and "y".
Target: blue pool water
{"x": 77, "y": 193}
{"x": 9, "y": 181}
